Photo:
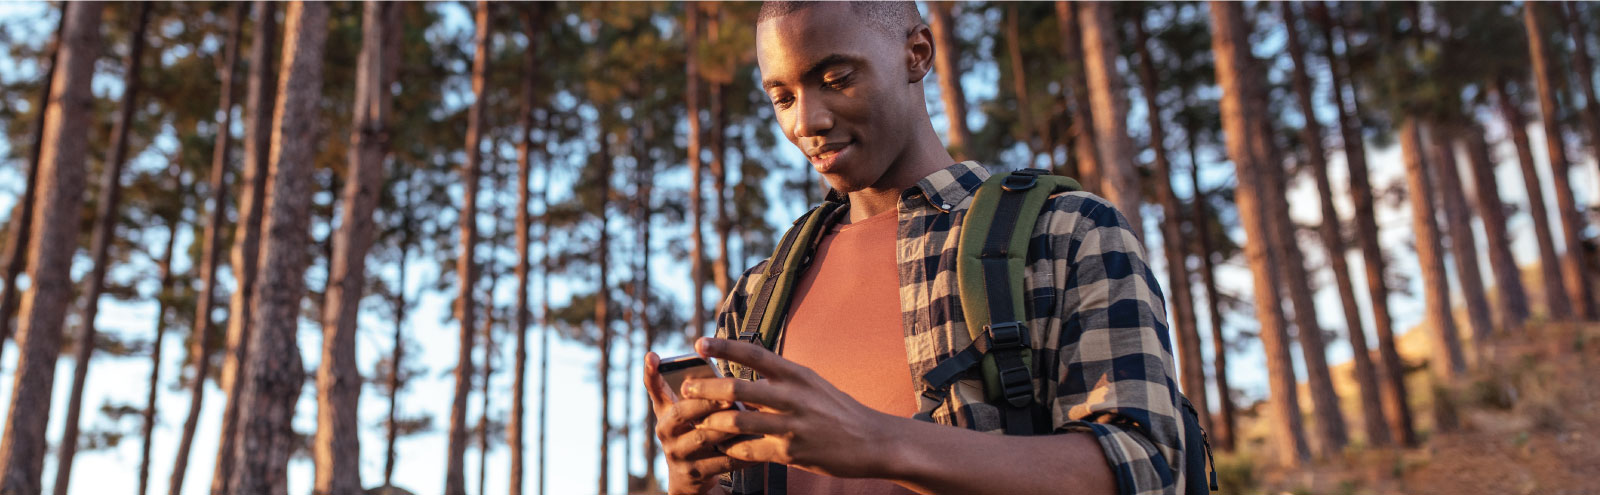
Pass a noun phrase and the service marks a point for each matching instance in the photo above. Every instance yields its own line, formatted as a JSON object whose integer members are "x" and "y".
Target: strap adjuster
{"x": 1017, "y": 385}
{"x": 1007, "y": 335}
{"x": 751, "y": 337}
{"x": 1021, "y": 180}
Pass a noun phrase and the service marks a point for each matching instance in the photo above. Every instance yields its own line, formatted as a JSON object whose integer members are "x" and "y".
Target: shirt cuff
{"x": 1137, "y": 465}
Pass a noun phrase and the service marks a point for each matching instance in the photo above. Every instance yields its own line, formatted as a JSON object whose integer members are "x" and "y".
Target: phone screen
{"x": 677, "y": 369}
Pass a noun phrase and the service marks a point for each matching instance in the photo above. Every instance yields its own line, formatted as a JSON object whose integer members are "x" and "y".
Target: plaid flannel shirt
{"x": 1105, "y": 367}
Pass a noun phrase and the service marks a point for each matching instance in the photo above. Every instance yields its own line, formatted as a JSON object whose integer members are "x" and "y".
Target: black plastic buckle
{"x": 1017, "y": 385}
{"x": 1019, "y": 181}
{"x": 751, "y": 337}
{"x": 1007, "y": 335}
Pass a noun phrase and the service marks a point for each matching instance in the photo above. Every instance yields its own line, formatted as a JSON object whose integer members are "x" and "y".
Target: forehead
{"x": 788, "y": 45}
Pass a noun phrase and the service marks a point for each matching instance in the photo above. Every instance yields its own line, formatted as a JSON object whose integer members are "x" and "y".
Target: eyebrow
{"x": 817, "y": 68}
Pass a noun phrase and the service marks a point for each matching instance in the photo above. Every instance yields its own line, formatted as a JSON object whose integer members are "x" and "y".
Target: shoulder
{"x": 1076, "y": 213}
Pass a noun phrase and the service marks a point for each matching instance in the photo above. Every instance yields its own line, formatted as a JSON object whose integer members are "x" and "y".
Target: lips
{"x": 824, "y": 157}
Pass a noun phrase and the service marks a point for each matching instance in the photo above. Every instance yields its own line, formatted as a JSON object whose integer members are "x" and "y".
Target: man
{"x": 876, "y": 308}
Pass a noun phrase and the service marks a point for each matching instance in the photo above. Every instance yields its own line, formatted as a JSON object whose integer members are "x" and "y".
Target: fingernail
{"x": 691, "y": 388}
{"x": 706, "y": 344}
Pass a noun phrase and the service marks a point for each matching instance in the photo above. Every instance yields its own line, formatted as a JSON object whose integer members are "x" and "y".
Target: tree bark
{"x": 1448, "y": 362}
{"x": 1573, "y": 266}
{"x": 1083, "y": 133}
{"x": 261, "y": 92}
{"x": 530, "y": 67}
{"x": 1193, "y": 375}
{"x": 602, "y": 318}
{"x": 1512, "y": 300}
{"x": 466, "y": 269}
{"x": 1333, "y": 240}
{"x": 697, "y": 275}
{"x": 1557, "y": 304}
{"x": 1019, "y": 82}
{"x": 947, "y": 64}
{"x": 336, "y": 447}
{"x": 100, "y": 247}
{"x": 20, "y": 226}
{"x": 1223, "y": 425}
{"x": 1108, "y": 97}
{"x": 272, "y": 382}
{"x": 1391, "y": 368}
{"x": 203, "y": 344}
{"x": 546, "y": 263}
{"x": 397, "y": 353}
{"x": 163, "y": 295}
{"x": 646, "y": 178}
{"x": 59, "y": 195}
{"x": 1463, "y": 243}
{"x": 1238, "y": 78}
{"x": 1581, "y": 64}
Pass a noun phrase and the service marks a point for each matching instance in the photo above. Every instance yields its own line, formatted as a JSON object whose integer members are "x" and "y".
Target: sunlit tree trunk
{"x": 1511, "y": 299}
{"x": 59, "y": 195}
{"x": 1463, "y": 243}
{"x": 1333, "y": 240}
{"x": 1241, "y": 95}
{"x": 336, "y": 447}
{"x": 1557, "y": 304}
{"x": 691, "y": 98}
{"x": 1083, "y": 133}
{"x": 105, "y": 227}
{"x": 273, "y": 379}
{"x": 174, "y": 221}
{"x": 530, "y": 67}
{"x": 1573, "y": 266}
{"x": 261, "y": 92}
{"x": 946, "y": 62}
{"x": 1108, "y": 96}
{"x": 466, "y": 270}
{"x": 20, "y": 226}
{"x": 1448, "y": 362}
{"x": 1192, "y": 377}
{"x": 1391, "y": 368}
{"x": 202, "y": 343}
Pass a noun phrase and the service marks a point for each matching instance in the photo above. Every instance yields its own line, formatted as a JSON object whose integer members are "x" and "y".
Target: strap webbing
{"x": 782, "y": 272}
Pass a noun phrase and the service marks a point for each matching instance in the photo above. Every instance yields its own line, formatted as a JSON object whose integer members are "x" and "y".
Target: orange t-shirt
{"x": 844, "y": 323}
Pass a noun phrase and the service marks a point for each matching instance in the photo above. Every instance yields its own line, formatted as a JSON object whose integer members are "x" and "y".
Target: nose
{"x": 812, "y": 117}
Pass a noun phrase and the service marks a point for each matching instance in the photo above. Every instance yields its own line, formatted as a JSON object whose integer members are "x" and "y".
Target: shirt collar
{"x": 944, "y": 189}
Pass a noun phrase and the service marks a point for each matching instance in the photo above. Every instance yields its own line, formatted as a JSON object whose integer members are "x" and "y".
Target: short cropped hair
{"x": 893, "y": 18}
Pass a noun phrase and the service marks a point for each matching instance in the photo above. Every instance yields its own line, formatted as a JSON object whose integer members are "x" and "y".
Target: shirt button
{"x": 944, "y": 206}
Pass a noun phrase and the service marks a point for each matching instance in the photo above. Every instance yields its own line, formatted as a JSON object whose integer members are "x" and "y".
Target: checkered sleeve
{"x": 1114, "y": 368}
{"x": 729, "y": 314}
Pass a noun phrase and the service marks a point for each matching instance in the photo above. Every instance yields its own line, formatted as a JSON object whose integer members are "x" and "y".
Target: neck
{"x": 924, "y": 156}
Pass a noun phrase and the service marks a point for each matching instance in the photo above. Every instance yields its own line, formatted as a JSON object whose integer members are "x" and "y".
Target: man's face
{"x": 840, "y": 87}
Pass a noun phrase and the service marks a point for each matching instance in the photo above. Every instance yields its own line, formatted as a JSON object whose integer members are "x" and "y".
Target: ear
{"x": 919, "y": 53}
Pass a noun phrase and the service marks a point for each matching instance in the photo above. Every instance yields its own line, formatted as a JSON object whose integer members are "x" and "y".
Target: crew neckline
{"x": 845, "y": 227}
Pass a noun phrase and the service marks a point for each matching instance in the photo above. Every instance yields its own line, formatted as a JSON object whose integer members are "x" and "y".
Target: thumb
{"x": 660, "y": 396}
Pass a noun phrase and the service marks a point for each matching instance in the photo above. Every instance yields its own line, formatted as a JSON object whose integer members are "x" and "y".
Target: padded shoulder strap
{"x": 771, "y": 300}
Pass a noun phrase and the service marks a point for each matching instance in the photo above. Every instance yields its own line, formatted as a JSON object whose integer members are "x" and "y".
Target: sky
{"x": 573, "y": 424}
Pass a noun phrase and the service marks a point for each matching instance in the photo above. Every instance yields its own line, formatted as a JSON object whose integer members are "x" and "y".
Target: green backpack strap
{"x": 764, "y": 316}
{"x": 990, "y": 261}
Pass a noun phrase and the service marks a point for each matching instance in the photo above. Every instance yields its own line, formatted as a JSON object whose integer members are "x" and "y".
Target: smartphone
{"x": 678, "y": 369}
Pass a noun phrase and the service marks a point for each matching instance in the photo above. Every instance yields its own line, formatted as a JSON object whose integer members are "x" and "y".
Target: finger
{"x": 734, "y": 390}
{"x": 760, "y": 449}
{"x": 696, "y": 443}
{"x": 753, "y": 356}
{"x": 747, "y": 422}
{"x": 713, "y": 466}
{"x": 660, "y": 394}
{"x": 685, "y": 414}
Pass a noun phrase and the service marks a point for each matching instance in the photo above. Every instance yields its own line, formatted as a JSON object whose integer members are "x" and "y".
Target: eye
{"x": 782, "y": 101}
{"x": 836, "y": 83}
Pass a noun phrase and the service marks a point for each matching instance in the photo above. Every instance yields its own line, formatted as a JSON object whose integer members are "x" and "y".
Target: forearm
{"x": 937, "y": 459}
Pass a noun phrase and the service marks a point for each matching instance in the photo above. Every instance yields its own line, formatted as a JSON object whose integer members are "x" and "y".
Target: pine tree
{"x": 173, "y": 218}
{"x": 1512, "y": 299}
{"x": 20, "y": 224}
{"x": 1083, "y": 132}
{"x": 946, "y": 65}
{"x": 1106, "y": 94}
{"x": 466, "y": 268}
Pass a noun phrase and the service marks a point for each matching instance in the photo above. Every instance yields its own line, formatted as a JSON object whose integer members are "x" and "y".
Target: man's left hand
{"x": 801, "y": 419}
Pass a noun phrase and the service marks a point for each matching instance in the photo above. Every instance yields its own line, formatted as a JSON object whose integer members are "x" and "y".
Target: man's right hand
{"x": 693, "y": 461}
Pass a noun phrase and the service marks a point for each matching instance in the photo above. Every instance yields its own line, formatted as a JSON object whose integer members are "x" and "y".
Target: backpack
{"x": 991, "y": 259}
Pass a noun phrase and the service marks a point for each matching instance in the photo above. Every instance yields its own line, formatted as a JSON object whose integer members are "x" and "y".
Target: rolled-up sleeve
{"x": 1114, "y": 368}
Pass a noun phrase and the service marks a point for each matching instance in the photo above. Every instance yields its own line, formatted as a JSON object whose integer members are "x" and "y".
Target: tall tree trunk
{"x": 1579, "y": 289}
{"x": 1108, "y": 96}
{"x": 1333, "y": 239}
{"x": 1019, "y": 82}
{"x": 602, "y": 318}
{"x": 466, "y": 270}
{"x": 20, "y": 226}
{"x": 946, "y": 63}
{"x": 697, "y": 253}
{"x": 717, "y": 101}
{"x": 1448, "y": 362}
{"x": 1512, "y": 300}
{"x": 203, "y": 344}
{"x": 1391, "y": 368}
{"x": 546, "y": 263}
{"x": 1193, "y": 375}
{"x": 1083, "y": 132}
{"x": 492, "y": 273}
{"x": 336, "y": 447}
{"x": 1463, "y": 243}
{"x": 1557, "y": 304}
{"x": 646, "y": 178}
{"x": 1223, "y": 425}
{"x": 1240, "y": 82}
{"x": 272, "y": 382}
{"x": 397, "y": 353}
{"x": 530, "y": 67}
{"x": 174, "y": 222}
{"x": 53, "y": 242}
{"x": 261, "y": 93}
{"x": 1585, "y": 69}
{"x": 100, "y": 247}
